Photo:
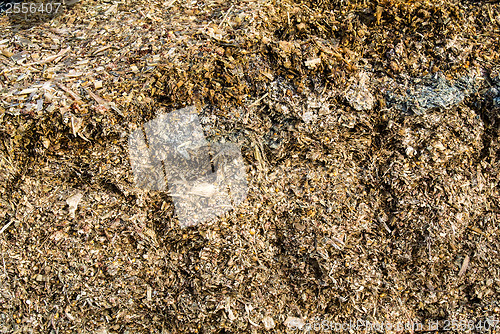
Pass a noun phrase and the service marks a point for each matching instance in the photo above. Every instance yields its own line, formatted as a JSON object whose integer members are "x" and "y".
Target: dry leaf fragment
{"x": 73, "y": 203}
{"x": 7, "y": 53}
{"x": 58, "y": 235}
{"x": 102, "y": 330}
{"x": 112, "y": 9}
{"x": 74, "y": 95}
{"x": 97, "y": 98}
{"x": 378, "y": 14}
{"x": 98, "y": 84}
{"x": 45, "y": 142}
{"x": 465, "y": 265}
{"x": 150, "y": 233}
{"x": 359, "y": 95}
{"x": 104, "y": 48}
{"x": 6, "y": 226}
{"x": 230, "y": 313}
{"x": 285, "y": 46}
{"x": 312, "y": 63}
{"x": 70, "y": 317}
{"x": 54, "y": 58}
{"x": 268, "y": 322}
{"x": 76, "y": 124}
{"x": 27, "y": 91}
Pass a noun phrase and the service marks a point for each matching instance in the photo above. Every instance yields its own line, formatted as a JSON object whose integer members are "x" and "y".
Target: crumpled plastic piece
{"x": 496, "y": 102}
{"x": 359, "y": 95}
{"x": 433, "y": 91}
{"x": 494, "y": 92}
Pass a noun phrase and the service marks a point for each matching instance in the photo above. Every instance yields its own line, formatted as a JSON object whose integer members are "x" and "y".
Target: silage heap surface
{"x": 370, "y": 131}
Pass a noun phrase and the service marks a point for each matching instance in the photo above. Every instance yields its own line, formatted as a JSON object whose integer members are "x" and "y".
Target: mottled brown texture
{"x": 354, "y": 211}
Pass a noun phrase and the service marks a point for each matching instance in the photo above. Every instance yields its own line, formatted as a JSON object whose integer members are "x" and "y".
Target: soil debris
{"x": 369, "y": 134}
